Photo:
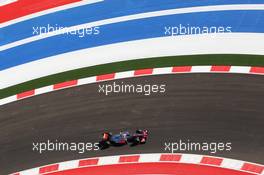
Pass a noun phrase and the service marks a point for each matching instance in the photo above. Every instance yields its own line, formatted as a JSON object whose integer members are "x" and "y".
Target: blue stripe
{"x": 100, "y": 11}
{"x": 240, "y": 21}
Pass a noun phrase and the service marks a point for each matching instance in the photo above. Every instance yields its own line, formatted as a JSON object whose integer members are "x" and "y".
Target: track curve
{"x": 199, "y": 107}
{"x": 173, "y": 164}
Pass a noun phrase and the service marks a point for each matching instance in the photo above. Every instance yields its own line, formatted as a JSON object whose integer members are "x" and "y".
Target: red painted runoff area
{"x": 151, "y": 168}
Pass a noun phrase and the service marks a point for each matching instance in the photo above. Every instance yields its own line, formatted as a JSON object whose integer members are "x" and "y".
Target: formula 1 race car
{"x": 123, "y": 138}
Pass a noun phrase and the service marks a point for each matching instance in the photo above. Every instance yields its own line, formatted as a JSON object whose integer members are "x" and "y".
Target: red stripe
{"x": 220, "y": 68}
{"x": 105, "y": 77}
{"x": 211, "y": 161}
{"x": 257, "y": 70}
{"x": 252, "y": 168}
{"x": 26, "y": 7}
{"x": 88, "y": 162}
{"x": 169, "y": 157}
{"x": 182, "y": 69}
{"x": 143, "y": 72}
{"x": 151, "y": 168}
{"x": 48, "y": 168}
{"x": 128, "y": 159}
{"x": 25, "y": 94}
{"x": 65, "y": 84}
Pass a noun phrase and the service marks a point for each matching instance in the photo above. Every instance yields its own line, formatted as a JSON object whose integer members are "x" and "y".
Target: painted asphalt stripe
{"x": 211, "y": 161}
{"x": 219, "y": 162}
{"x": 24, "y": 7}
{"x": 137, "y": 16}
{"x": 43, "y": 90}
{"x": 126, "y": 159}
{"x": 153, "y": 168}
{"x": 77, "y": 17}
{"x": 240, "y": 69}
{"x": 49, "y": 168}
{"x": 257, "y": 70}
{"x": 108, "y": 160}
{"x": 149, "y": 158}
{"x": 5, "y": 2}
{"x": 198, "y": 69}
{"x": 163, "y": 70}
{"x": 88, "y": 80}
{"x": 169, "y": 157}
{"x": 88, "y": 162}
{"x": 34, "y": 171}
{"x": 191, "y": 158}
{"x": 141, "y": 72}
{"x": 65, "y": 84}
{"x": 220, "y": 68}
{"x": 48, "y": 11}
{"x": 179, "y": 69}
{"x": 253, "y": 168}
{"x": 25, "y": 94}
{"x": 233, "y": 43}
{"x": 153, "y": 29}
{"x": 232, "y": 164}
{"x": 125, "y": 74}
{"x": 131, "y": 74}
{"x": 8, "y": 100}
{"x": 22, "y": 17}
{"x": 104, "y": 77}
{"x": 69, "y": 165}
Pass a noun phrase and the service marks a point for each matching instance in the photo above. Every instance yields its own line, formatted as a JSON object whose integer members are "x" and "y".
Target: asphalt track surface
{"x": 198, "y": 107}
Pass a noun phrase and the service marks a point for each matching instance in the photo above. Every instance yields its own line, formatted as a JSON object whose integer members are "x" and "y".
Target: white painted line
{"x": 8, "y": 100}
{"x": 108, "y": 160}
{"x": 125, "y": 74}
{"x": 69, "y": 165}
{"x": 200, "y": 69}
{"x": 165, "y": 70}
{"x": 191, "y": 158}
{"x": 149, "y": 158}
{"x": 239, "y": 69}
{"x": 232, "y": 164}
{"x": 134, "y": 17}
{"x": 43, "y": 90}
{"x": 88, "y": 80}
{"x": 34, "y": 171}
{"x": 5, "y": 2}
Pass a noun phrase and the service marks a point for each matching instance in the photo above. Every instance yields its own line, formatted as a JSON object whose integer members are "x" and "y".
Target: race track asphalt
{"x": 198, "y": 107}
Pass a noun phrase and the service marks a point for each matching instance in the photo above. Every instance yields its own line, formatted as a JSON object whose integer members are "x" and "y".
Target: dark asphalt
{"x": 198, "y": 107}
